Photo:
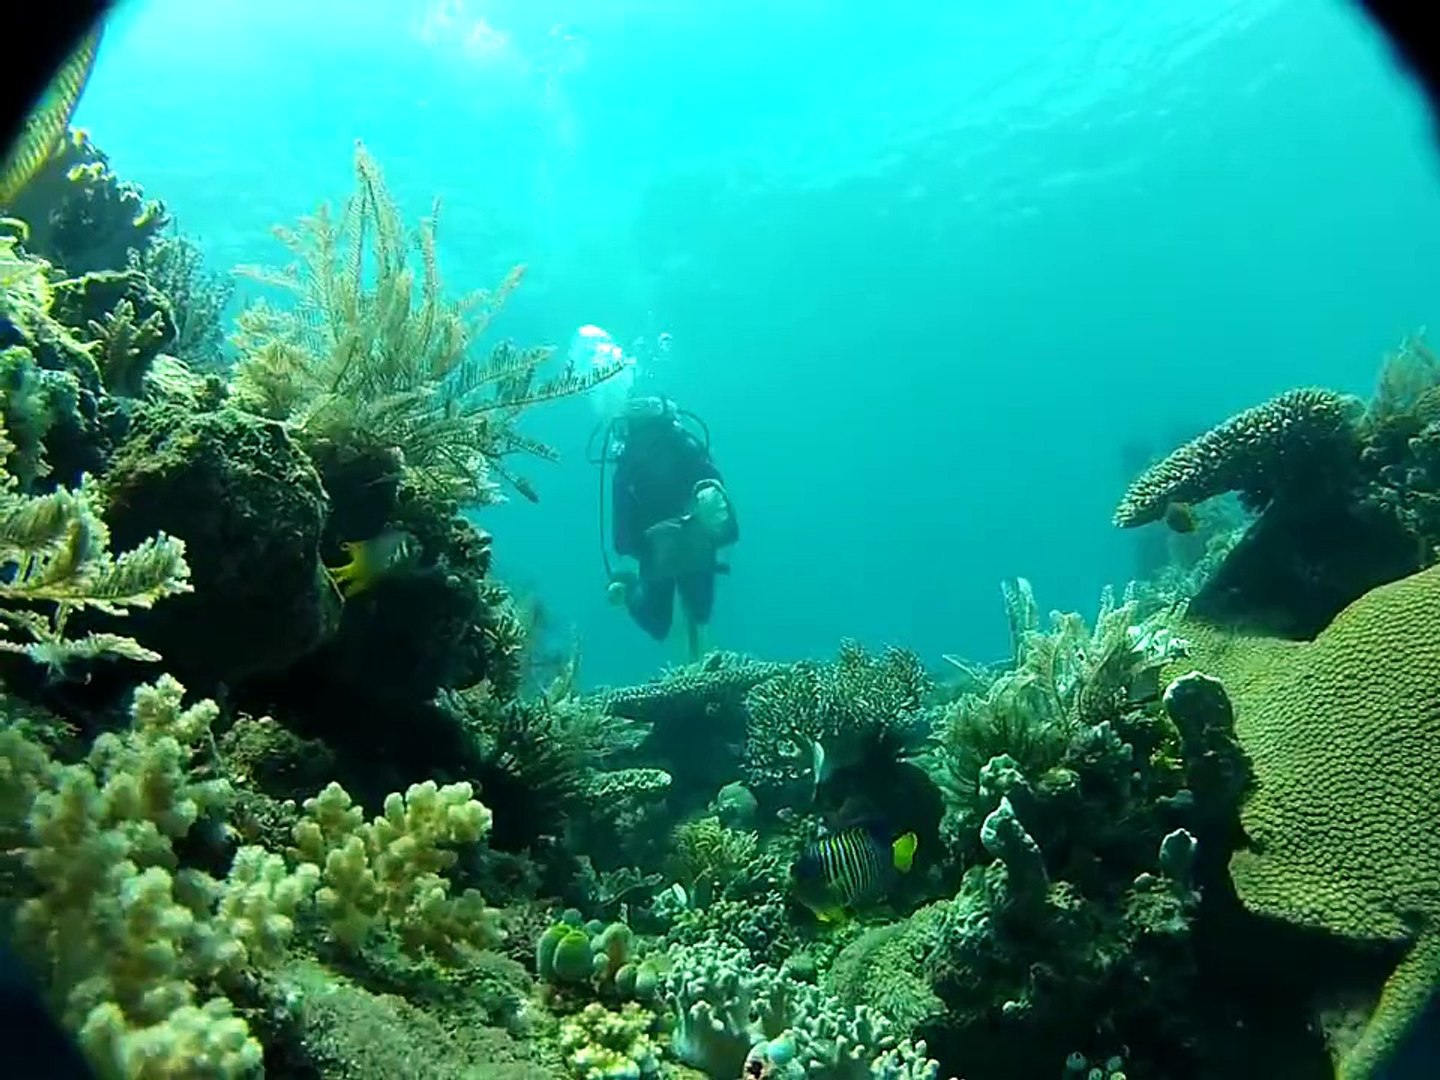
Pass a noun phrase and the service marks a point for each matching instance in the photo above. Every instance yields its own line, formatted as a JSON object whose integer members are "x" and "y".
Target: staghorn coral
{"x": 1260, "y": 452}
{"x": 817, "y": 719}
{"x": 1342, "y": 735}
{"x": 55, "y": 552}
{"x": 375, "y": 355}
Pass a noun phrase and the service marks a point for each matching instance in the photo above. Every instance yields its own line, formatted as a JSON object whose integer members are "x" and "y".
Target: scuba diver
{"x": 671, "y": 514}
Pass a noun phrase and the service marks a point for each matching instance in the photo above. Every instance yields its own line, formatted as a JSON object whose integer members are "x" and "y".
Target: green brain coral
{"x": 1344, "y": 836}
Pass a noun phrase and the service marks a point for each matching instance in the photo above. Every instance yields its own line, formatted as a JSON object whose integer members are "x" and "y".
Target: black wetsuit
{"x": 655, "y": 478}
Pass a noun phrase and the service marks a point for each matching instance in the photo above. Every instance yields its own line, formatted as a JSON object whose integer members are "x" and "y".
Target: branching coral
{"x": 55, "y": 552}
{"x": 127, "y": 938}
{"x": 1064, "y": 684}
{"x": 83, "y": 217}
{"x": 706, "y": 856}
{"x": 374, "y": 354}
{"x": 388, "y": 872}
{"x": 198, "y": 298}
{"x": 1257, "y": 452}
{"x": 817, "y": 719}
{"x": 543, "y": 758}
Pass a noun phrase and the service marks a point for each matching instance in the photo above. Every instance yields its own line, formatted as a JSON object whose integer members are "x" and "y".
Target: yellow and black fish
{"x": 392, "y": 551}
{"x": 848, "y": 870}
{"x": 48, "y": 121}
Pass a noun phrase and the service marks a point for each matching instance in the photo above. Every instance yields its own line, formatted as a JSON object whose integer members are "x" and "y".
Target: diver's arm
{"x": 703, "y": 468}
{"x": 625, "y": 531}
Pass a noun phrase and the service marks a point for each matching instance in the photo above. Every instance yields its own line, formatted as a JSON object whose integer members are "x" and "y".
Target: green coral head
{"x": 572, "y": 960}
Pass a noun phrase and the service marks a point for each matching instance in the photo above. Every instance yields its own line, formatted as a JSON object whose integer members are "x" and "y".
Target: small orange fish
{"x": 373, "y": 559}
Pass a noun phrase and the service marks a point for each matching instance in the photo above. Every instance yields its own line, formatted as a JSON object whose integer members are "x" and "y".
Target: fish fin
{"x": 903, "y": 851}
{"x": 831, "y": 916}
{"x": 817, "y": 767}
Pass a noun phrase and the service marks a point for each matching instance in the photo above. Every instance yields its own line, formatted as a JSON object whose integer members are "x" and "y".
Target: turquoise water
{"x": 929, "y": 268}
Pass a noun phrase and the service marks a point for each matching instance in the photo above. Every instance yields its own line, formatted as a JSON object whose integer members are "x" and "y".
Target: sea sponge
{"x": 1343, "y": 735}
{"x": 1255, "y": 452}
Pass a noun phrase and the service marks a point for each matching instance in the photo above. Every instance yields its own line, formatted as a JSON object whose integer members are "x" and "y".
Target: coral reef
{"x": 815, "y": 720}
{"x": 1194, "y": 836}
{"x": 83, "y": 217}
{"x": 250, "y": 510}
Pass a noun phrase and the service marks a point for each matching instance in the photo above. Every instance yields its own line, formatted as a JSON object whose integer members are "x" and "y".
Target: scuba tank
{"x": 608, "y": 434}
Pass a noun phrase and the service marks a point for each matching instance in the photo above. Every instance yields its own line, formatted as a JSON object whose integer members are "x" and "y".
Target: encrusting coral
{"x": 375, "y": 354}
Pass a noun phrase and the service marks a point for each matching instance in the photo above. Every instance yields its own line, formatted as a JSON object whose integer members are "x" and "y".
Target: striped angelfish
{"x": 849, "y": 870}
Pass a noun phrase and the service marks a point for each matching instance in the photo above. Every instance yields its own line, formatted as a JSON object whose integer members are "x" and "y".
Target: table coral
{"x": 1344, "y": 738}
{"x": 1254, "y": 452}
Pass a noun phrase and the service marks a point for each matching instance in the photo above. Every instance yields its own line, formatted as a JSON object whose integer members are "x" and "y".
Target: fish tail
{"x": 903, "y": 851}
{"x": 48, "y": 121}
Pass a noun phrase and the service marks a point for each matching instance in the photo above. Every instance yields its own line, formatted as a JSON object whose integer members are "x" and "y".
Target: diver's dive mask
{"x": 643, "y": 415}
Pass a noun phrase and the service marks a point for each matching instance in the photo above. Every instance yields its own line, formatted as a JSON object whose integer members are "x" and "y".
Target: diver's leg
{"x": 697, "y": 600}
{"x": 651, "y": 602}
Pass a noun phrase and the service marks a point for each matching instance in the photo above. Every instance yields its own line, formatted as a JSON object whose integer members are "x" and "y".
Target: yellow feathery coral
{"x": 55, "y": 551}
{"x": 375, "y": 354}
{"x": 1344, "y": 737}
{"x": 1254, "y": 452}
